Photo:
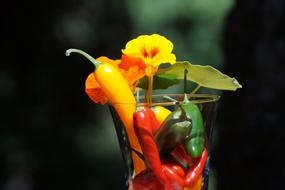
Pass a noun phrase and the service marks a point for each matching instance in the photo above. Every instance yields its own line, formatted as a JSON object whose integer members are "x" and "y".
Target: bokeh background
{"x": 53, "y": 137}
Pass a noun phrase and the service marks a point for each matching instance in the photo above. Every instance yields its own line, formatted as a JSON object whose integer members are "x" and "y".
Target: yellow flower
{"x": 152, "y": 49}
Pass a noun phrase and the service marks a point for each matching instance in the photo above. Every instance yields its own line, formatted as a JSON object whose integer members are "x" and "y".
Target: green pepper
{"x": 194, "y": 143}
{"x": 173, "y": 131}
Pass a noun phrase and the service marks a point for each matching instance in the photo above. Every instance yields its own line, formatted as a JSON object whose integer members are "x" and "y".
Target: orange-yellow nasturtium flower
{"x": 152, "y": 49}
{"x": 132, "y": 70}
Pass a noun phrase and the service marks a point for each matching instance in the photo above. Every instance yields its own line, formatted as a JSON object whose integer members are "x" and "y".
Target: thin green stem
{"x": 145, "y": 95}
{"x": 86, "y": 55}
{"x": 170, "y": 99}
{"x": 195, "y": 90}
{"x": 185, "y": 80}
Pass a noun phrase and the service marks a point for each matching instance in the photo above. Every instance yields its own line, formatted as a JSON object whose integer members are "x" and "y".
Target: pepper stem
{"x": 186, "y": 100}
{"x": 86, "y": 55}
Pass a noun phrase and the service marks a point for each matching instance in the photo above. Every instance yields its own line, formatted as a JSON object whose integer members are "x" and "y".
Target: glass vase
{"x": 207, "y": 105}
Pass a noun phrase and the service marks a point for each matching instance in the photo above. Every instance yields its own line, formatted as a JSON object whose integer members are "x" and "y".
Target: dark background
{"x": 53, "y": 137}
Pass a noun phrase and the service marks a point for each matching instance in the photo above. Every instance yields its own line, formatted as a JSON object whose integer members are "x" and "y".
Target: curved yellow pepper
{"x": 116, "y": 88}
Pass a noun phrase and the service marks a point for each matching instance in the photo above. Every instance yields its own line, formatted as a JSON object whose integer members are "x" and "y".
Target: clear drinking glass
{"x": 207, "y": 104}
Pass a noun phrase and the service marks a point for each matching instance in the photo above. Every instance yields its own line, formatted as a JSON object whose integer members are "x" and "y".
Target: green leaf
{"x": 205, "y": 76}
{"x": 162, "y": 81}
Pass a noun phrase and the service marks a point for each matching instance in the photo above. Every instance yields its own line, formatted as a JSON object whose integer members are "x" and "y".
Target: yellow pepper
{"x": 161, "y": 113}
{"x": 116, "y": 88}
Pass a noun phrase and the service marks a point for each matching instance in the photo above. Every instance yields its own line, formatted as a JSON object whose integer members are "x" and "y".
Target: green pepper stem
{"x": 186, "y": 100}
{"x": 86, "y": 55}
{"x": 183, "y": 113}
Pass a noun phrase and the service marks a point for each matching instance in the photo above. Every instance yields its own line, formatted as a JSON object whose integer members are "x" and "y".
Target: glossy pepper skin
{"x": 194, "y": 144}
{"x": 173, "y": 131}
{"x": 175, "y": 176}
{"x": 180, "y": 156}
{"x": 197, "y": 186}
{"x": 161, "y": 113}
{"x": 144, "y": 122}
{"x": 111, "y": 82}
{"x": 116, "y": 89}
{"x": 146, "y": 180}
{"x": 196, "y": 170}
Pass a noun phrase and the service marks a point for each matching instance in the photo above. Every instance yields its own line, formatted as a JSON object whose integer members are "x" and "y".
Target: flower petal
{"x": 133, "y": 74}
{"x": 128, "y": 61}
{"x": 104, "y": 59}
{"x": 164, "y": 58}
{"x": 94, "y": 91}
{"x": 162, "y": 44}
{"x": 152, "y": 49}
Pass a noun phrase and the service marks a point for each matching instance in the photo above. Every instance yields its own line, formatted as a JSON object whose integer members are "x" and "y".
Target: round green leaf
{"x": 205, "y": 76}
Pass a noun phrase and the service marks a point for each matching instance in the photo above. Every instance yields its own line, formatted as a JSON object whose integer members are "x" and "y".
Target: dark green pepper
{"x": 194, "y": 143}
{"x": 173, "y": 131}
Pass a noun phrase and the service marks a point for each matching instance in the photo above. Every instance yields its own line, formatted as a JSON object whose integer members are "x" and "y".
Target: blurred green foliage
{"x": 194, "y": 26}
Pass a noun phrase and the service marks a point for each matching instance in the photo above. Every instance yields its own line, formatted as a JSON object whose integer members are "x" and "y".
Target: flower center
{"x": 150, "y": 54}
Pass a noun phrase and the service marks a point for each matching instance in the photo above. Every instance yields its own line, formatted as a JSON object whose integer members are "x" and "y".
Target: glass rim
{"x": 195, "y": 98}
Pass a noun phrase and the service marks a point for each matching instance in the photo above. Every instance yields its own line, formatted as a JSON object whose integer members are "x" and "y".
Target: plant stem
{"x": 149, "y": 90}
{"x": 169, "y": 98}
{"x": 185, "y": 81}
{"x": 195, "y": 90}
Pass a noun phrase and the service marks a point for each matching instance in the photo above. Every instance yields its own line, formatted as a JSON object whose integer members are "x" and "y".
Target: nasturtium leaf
{"x": 162, "y": 81}
{"x": 205, "y": 76}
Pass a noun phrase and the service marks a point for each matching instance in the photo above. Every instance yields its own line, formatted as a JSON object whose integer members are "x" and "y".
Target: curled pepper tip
{"x": 67, "y": 52}
{"x": 86, "y": 55}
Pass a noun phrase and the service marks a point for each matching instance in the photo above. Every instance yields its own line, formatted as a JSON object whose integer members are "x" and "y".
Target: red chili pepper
{"x": 196, "y": 170}
{"x": 155, "y": 123}
{"x": 144, "y": 120}
{"x": 175, "y": 176}
{"x": 179, "y": 155}
{"x": 146, "y": 180}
